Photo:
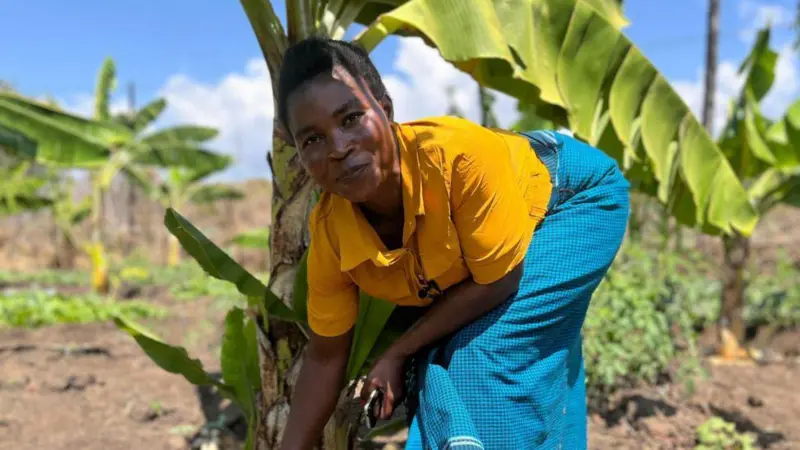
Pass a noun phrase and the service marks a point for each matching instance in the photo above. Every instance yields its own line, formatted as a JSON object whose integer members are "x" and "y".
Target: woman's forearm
{"x": 459, "y": 306}
{"x": 315, "y": 395}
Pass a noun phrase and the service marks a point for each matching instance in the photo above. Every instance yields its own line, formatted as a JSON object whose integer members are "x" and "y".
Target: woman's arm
{"x": 459, "y": 306}
{"x": 317, "y": 390}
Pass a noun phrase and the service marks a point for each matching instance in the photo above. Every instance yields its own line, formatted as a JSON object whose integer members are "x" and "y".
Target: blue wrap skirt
{"x": 514, "y": 379}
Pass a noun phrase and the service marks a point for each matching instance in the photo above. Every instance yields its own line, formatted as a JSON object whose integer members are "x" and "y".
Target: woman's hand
{"x": 387, "y": 375}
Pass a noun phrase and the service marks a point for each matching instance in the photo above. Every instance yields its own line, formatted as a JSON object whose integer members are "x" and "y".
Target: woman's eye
{"x": 311, "y": 140}
{"x": 352, "y": 118}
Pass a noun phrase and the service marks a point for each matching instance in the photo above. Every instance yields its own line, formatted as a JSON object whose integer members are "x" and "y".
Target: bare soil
{"x": 762, "y": 400}
{"x": 107, "y": 394}
{"x": 90, "y": 387}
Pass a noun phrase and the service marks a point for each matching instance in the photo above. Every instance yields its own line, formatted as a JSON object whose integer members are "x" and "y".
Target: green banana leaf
{"x": 180, "y": 155}
{"x": 148, "y": 114}
{"x": 18, "y": 204}
{"x": 784, "y": 138}
{"x": 170, "y": 358}
{"x": 61, "y": 138}
{"x": 106, "y": 83}
{"x": 219, "y": 265}
{"x": 16, "y": 143}
{"x": 20, "y": 191}
{"x": 743, "y": 139}
{"x": 181, "y": 135}
{"x": 775, "y": 186}
{"x": 373, "y": 315}
{"x": 572, "y": 55}
{"x": 239, "y": 360}
{"x": 765, "y": 154}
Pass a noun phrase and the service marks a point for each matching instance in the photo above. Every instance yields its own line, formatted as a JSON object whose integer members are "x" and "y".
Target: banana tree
{"x": 67, "y": 215}
{"x": 184, "y": 186}
{"x": 568, "y": 57}
{"x": 21, "y": 191}
{"x": 104, "y": 146}
{"x": 766, "y": 155}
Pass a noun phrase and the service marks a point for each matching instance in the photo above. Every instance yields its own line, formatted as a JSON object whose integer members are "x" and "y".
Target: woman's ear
{"x": 388, "y": 107}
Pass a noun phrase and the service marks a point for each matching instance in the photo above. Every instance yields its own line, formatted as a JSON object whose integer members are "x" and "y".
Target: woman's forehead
{"x": 326, "y": 95}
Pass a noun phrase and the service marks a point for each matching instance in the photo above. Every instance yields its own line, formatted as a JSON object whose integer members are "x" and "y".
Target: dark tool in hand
{"x": 372, "y": 408}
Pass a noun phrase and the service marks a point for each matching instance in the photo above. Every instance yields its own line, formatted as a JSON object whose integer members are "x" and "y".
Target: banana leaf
{"x": 572, "y": 55}
{"x": 219, "y": 265}
{"x": 61, "y": 138}
{"x": 148, "y": 114}
{"x": 16, "y": 143}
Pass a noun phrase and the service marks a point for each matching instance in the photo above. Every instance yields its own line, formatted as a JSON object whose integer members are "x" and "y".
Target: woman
{"x": 500, "y": 239}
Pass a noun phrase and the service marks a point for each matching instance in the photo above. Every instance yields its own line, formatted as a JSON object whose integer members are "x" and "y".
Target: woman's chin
{"x": 359, "y": 190}
{"x": 357, "y": 196}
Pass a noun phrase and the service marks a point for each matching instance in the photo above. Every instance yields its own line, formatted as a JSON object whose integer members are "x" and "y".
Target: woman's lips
{"x": 352, "y": 173}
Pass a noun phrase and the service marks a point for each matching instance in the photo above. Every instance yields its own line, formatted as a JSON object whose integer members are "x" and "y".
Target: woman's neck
{"x": 387, "y": 203}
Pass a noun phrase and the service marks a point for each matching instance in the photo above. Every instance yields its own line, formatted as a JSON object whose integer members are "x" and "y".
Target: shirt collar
{"x": 358, "y": 242}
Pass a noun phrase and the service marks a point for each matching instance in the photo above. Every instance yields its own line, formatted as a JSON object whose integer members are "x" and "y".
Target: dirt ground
{"x": 90, "y": 387}
{"x": 107, "y": 394}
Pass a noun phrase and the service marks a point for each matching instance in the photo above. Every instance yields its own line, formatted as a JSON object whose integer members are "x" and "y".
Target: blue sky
{"x": 203, "y": 56}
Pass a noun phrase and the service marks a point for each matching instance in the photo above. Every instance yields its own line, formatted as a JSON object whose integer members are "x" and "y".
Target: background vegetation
{"x": 116, "y": 207}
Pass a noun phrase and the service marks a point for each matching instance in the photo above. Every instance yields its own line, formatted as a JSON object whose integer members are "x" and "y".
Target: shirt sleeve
{"x": 489, "y": 212}
{"x": 332, "y": 295}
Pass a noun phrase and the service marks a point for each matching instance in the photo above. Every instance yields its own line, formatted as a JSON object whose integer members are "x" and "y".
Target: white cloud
{"x": 758, "y": 15}
{"x": 419, "y": 88}
{"x": 240, "y": 106}
{"x": 784, "y": 91}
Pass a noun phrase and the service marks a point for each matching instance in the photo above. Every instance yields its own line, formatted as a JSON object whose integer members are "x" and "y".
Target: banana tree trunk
{"x": 132, "y": 203}
{"x": 173, "y": 251}
{"x": 737, "y": 253}
{"x": 282, "y": 345}
{"x": 96, "y": 251}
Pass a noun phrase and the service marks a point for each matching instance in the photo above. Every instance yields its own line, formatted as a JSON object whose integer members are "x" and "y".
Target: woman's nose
{"x": 342, "y": 144}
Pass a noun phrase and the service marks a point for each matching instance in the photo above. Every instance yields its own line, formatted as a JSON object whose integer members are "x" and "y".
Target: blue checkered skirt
{"x": 514, "y": 379}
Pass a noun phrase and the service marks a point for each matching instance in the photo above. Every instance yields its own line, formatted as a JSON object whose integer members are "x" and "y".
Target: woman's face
{"x": 343, "y": 134}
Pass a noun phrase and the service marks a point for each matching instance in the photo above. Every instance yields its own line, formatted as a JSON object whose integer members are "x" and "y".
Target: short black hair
{"x": 316, "y": 55}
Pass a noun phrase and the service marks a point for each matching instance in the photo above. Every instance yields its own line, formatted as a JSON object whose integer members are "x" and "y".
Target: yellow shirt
{"x": 472, "y": 198}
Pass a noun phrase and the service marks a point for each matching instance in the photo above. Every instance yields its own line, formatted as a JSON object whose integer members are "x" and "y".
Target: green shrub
{"x": 641, "y": 319}
{"x": 774, "y": 300}
{"x": 32, "y": 309}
